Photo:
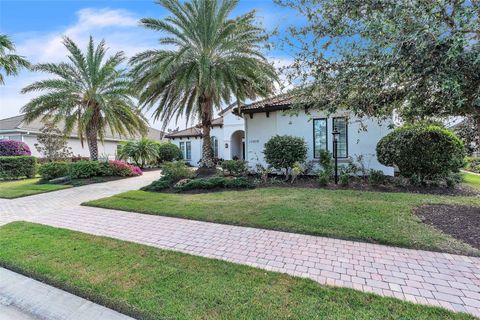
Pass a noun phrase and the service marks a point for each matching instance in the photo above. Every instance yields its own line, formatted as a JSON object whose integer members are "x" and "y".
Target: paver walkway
{"x": 450, "y": 281}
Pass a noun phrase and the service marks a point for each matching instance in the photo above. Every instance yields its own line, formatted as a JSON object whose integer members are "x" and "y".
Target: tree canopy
{"x": 10, "y": 63}
{"x": 91, "y": 93}
{"x": 420, "y": 58}
{"x": 213, "y": 59}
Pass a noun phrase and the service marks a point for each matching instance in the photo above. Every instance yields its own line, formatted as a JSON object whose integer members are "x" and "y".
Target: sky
{"x": 37, "y": 28}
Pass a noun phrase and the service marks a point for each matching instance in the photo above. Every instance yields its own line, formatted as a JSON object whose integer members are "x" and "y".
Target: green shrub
{"x": 168, "y": 152}
{"x": 105, "y": 169}
{"x": 281, "y": 152}
{"x": 234, "y": 167}
{"x": 323, "y": 178}
{"x": 216, "y": 182}
{"x": 84, "y": 169}
{"x": 326, "y": 162}
{"x": 176, "y": 171}
{"x": 14, "y": 167}
{"x": 142, "y": 152}
{"x": 53, "y": 170}
{"x": 376, "y": 177}
{"x": 422, "y": 152}
{"x": 344, "y": 179}
{"x": 472, "y": 164}
{"x": 158, "y": 185}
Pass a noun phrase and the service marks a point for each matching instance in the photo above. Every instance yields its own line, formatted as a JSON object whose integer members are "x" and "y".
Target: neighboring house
{"x": 227, "y": 134}
{"x": 15, "y": 128}
{"x": 358, "y": 137}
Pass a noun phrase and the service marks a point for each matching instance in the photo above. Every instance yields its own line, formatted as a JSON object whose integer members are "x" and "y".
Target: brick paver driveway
{"x": 440, "y": 279}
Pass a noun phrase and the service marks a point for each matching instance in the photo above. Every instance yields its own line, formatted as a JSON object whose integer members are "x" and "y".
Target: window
{"x": 188, "y": 150}
{"x": 320, "y": 138}
{"x": 182, "y": 149}
{"x": 342, "y": 144}
{"x": 214, "y": 143}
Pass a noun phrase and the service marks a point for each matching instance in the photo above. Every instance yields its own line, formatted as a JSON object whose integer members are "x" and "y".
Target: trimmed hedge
{"x": 422, "y": 152}
{"x": 10, "y": 148}
{"x": 14, "y": 167}
{"x": 281, "y": 152}
{"x": 168, "y": 152}
{"x": 53, "y": 170}
{"x": 85, "y": 169}
{"x": 216, "y": 182}
{"x": 158, "y": 185}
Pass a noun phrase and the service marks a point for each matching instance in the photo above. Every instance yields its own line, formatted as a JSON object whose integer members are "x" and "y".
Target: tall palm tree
{"x": 90, "y": 92}
{"x": 10, "y": 63}
{"x": 213, "y": 60}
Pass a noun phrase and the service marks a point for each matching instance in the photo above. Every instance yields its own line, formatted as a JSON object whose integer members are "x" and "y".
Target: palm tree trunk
{"x": 207, "y": 152}
{"x": 92, "y": 136}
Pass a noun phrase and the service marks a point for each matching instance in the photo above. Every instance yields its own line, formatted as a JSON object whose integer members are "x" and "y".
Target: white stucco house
{"x": 16, "y": 128}
{"x": 227, "y": 134}
{"x": 358, "y": 136}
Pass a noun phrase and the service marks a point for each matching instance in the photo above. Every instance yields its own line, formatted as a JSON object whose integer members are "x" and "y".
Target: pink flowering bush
{"x": 123, "y": 169}
{"x": 14, "y": 148}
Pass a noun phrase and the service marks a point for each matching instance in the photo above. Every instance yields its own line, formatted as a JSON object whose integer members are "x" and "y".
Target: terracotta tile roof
{"x": 280, "y": 102}
{"x": 195, "y": 131}
{"x": 17, "y": 124}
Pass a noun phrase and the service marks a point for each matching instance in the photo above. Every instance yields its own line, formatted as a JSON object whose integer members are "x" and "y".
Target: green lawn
{"x": 367, "y": 216}
{"x": 472, "y": 180}
{"x": 27, "y": 187}
{"x": 150, "y": 283}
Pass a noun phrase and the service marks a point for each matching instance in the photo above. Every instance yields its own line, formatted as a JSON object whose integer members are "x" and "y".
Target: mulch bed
{"x": 459, "y": 221}
{"x": 360, "y": 185}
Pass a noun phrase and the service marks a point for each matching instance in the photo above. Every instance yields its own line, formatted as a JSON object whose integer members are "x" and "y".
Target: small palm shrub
{"x": 167, "y": 152}
{"x": 422, "y": 152}
{"x": 281, "y": 152}
{"x": 53, "y": 170}
{"x": 176, "y": 171}
{"x": 12, "y": 148}
{"x": 141, "y": 152}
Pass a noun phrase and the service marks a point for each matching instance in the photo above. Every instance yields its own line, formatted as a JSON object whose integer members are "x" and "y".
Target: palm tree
{"x": 142, "y": 151}
{"x": 89, "y": 92}
{"x": 10, "y": 63}
{"x": 214, "y": 59}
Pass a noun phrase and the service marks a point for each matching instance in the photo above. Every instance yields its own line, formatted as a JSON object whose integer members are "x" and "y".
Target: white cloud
{"x": 118, "y": 27}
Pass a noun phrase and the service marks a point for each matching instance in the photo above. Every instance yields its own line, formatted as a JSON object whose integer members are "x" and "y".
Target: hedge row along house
{"x": 16, "y": 128}
{"x": 242, "y": 134}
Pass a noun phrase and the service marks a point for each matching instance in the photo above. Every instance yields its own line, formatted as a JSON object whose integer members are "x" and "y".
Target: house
{"x": 358, "y": 136}
{"x": 16, "y": 128}
{"x": 227, "y": 136}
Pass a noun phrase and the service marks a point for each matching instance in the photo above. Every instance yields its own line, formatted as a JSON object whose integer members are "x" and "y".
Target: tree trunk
{"x": 477, "y": 122}
{"x": 92, "y": 136}
{"x": 207, "y": 152}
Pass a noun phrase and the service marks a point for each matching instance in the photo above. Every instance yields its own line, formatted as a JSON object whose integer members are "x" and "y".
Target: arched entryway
{"x": 237, "y": 142}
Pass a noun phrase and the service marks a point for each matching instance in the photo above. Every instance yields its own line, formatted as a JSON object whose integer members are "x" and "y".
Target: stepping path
{"x": 432, "y": 278}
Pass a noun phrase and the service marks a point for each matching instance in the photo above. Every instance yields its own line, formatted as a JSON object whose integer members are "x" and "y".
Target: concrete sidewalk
{"x": 22, "y": 298}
